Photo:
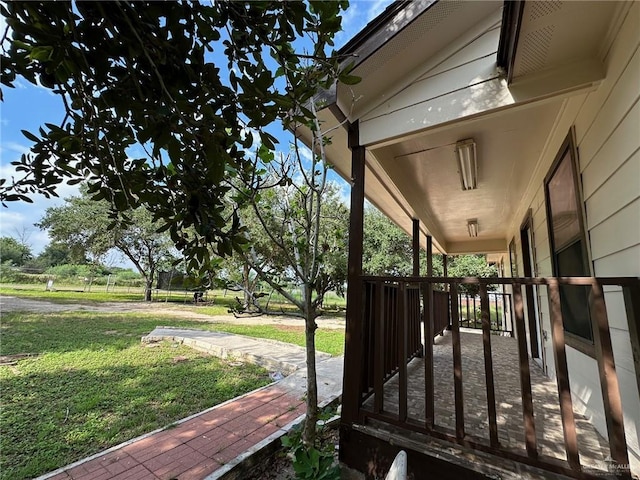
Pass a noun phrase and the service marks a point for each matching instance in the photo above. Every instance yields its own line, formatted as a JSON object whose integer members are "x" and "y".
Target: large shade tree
{"x": 162, "y": 100}
{"x": 58, "y": 253}
{"x": 388, "y": 250}
{"x": 85, "y": 226}
{"x": 14, "y": 251}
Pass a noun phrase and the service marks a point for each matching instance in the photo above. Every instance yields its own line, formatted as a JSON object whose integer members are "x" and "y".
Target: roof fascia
{"x": 372, "y": 27}
{"x": 372, "y": 37}
{"x": 509, "y": 34}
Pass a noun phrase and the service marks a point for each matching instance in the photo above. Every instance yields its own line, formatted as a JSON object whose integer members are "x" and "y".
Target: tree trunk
{"x": 247, "y": 286}
{"x": 147, "y": 290}
{"x": 311, "y": 417}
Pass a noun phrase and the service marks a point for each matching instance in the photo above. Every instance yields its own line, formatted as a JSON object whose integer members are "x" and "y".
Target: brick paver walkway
{"x": 203, "y": 443}
{"x": 198, "y": 446}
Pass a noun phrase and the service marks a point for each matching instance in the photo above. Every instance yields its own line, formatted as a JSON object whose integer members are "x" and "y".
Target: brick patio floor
{"x": 592, "y": 447}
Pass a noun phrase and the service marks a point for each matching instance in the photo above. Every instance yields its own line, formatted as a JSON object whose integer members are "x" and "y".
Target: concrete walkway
{"x": 273, "y": 355}
{"x": 211, "y": 443}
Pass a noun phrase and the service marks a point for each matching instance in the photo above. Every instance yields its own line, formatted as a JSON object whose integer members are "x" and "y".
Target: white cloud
{"x": 20, "y": 216}
{"x": 305, "y": 152}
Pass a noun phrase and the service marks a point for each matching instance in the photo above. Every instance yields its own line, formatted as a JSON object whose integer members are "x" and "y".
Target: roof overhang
{"x": 402, "y": 58}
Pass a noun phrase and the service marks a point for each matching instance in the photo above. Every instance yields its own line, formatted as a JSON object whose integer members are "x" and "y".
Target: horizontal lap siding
{"x": 608, "y": 138}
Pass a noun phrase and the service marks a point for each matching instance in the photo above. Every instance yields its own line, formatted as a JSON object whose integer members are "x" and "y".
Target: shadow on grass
{"x": 94, "y": 385}
{"x": 73, "y": 331}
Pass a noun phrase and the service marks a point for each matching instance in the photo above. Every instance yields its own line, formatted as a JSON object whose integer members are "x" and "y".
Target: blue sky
{"x": 27, "y": 107}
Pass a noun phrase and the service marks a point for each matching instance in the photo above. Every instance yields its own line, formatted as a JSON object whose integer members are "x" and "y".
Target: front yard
{"x": 88, "y": 383}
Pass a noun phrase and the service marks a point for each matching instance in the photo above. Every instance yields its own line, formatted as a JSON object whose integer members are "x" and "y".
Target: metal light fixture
{"x": 472, "y": 226}
{"x": 467, "y": 163}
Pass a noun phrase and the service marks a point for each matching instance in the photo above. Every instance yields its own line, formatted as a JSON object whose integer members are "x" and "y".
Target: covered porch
{"x": 426, "y": 384}
{"x": 507, "y": 129}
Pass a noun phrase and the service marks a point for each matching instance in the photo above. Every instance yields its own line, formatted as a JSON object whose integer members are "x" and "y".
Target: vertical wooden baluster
{"x": 428, "y": 357}
{"x": 378, "y": 385}
{"x": 402, "y": 352}
{"x": 609, "y": 380}
{"x": 525, "y": 375}
{"x": 562, "y": 374}
{"x": 457, "y": 362}
{"x": 632, "y": 307}
{"x": 488, "y": 365}
{"x": 429, "y": 319}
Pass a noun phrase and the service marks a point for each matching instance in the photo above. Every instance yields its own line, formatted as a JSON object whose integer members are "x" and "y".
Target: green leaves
{"x": 311, "y": 462}
{"x": 135, "y": 81}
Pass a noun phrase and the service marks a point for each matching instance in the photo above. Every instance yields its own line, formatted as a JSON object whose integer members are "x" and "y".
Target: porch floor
{"x": 592, "y": 447}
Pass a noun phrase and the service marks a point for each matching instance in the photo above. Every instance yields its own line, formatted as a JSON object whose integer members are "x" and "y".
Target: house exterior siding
{"x": 607, "y": 131}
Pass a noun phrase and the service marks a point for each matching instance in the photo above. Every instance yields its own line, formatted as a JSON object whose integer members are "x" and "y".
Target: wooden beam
{"x": 353, "y": 332}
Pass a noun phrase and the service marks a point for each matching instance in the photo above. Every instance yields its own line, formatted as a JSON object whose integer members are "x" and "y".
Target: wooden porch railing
{"x": 391, "y": 330}
{"x": 392, "y": 335}
{"x": 500, "y": 312}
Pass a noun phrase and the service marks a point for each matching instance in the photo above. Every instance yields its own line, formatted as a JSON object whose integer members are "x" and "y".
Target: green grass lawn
{"x": 75, "y": 295}
{"x": 329, "y": 341}
{"x": 91, "y": 384}
{"x": 218, "y": 301}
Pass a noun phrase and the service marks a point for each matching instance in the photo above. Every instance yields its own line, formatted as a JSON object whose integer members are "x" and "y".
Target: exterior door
{"x": 536, "y": 345}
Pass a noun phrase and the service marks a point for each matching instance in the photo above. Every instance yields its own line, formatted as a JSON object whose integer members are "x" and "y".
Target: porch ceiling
{"x": 425, "y": 169}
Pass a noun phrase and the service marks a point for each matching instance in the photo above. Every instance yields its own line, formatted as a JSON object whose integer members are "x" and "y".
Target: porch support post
{"x": 353, "y": 335}
{"x": 430, "y": 256}
{"x": 416, "y": 247}
{"x": 445, "y": 270}
{"x": 431, "y": 320}
{"x": 428, "y": 342}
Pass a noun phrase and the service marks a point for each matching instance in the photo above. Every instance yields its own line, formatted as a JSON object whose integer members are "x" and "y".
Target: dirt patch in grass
{"x": 13, "y": 359}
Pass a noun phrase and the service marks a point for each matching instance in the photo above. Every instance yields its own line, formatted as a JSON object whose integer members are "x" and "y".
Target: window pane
{"x": 562, "y": 200}
{"x": 574, "y": 300}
